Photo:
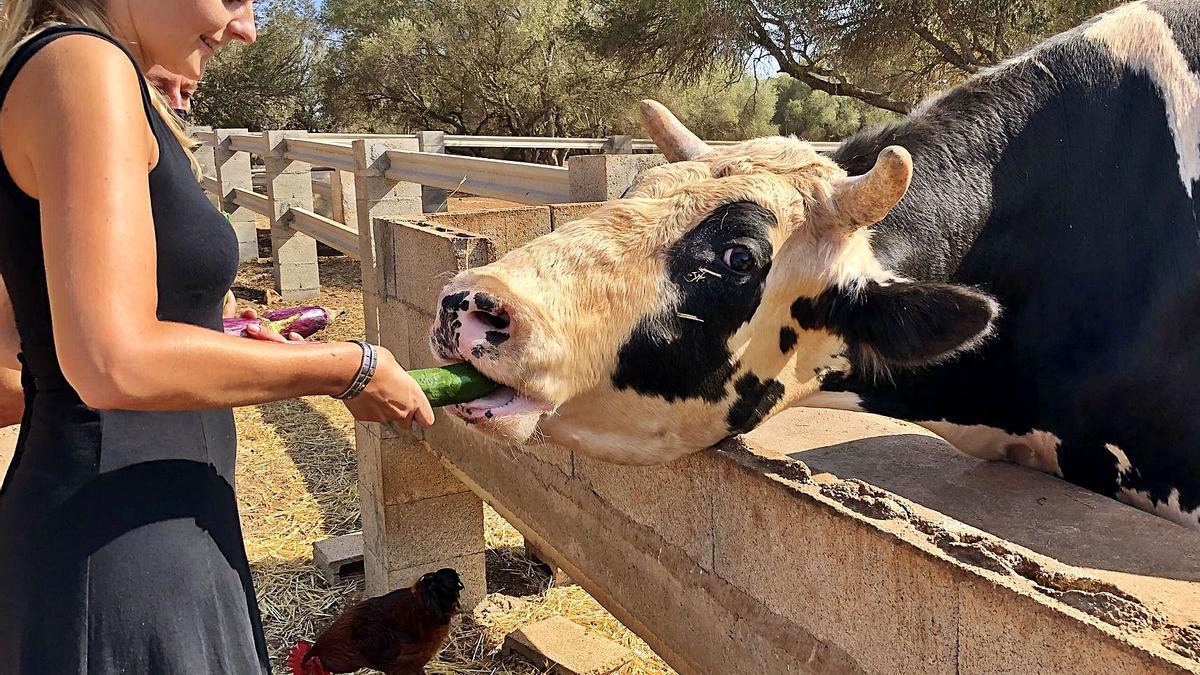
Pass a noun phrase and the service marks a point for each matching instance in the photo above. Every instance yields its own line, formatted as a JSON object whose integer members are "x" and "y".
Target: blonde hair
{"x": 22, "y": 20}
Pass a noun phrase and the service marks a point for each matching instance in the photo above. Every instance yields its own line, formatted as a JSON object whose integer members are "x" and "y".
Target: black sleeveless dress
{"x": 120, "y": 546}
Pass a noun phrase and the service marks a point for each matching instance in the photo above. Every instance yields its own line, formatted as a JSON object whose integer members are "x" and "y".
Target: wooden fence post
{"x": 289, "y": 185}
{"x": 232, "y": 170}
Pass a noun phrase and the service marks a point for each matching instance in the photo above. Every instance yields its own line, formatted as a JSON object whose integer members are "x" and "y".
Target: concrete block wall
{"x": 740, "y": 559}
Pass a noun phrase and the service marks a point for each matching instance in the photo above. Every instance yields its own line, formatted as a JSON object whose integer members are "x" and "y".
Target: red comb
{"x": 299, "y": 665}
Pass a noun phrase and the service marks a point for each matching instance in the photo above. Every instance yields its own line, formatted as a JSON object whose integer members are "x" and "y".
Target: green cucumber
{"x": 457, "y": 383}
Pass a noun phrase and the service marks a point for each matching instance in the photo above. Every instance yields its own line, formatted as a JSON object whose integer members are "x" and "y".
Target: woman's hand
{"x": 392, "y": 396}
{"x": 259, "y": 332}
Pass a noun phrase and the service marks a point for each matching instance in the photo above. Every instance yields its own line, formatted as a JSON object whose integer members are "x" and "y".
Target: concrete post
{"x": 377, "y": 196}
{"x": 416, "y": 516}
{"x": 207, "y": 158}
{"x": 597, "y": 178}
{"x": 232, "y": 170}
{"x": 433, "y": 199}
{"x": 341, "y": 198}
{"x": 619, "y": 144}
{"x": 322, "y": 205}
{"x": 293, "y": 254}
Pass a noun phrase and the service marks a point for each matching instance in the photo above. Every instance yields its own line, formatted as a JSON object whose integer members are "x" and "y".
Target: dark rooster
{"x": 397, "y": 633}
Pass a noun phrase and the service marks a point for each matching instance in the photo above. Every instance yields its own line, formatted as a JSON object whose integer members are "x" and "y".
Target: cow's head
{"x": 724, "y": 287}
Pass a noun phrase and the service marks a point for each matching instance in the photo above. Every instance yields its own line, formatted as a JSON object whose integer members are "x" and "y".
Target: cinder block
{"x": 597, "y": 178}
{"x": 427, "y": 255}
{"x": 433, "y": 529}
{"x": 366, "y": 450}
{"x": 661, "y": 497}
{"x": 393, "y": 329}
{"x": 561, "y": 214}
{"x": 566, "y": 648}
{"x": 507, "y": 228}
{"x": 417, "y": 349}
{"x": 411, "y": 473}
{"x": 339, "y": 558}
{"x": 471, "y": 568}
{"x": 906, "y": 600}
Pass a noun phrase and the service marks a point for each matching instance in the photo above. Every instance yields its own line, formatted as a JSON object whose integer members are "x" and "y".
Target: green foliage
{"x": 888, "y": 53}
{"x": 818, "y": 116}
{"x": 717, "y": 110}
{"x": 273, "y": 83}
{"x": 502, "y": 67}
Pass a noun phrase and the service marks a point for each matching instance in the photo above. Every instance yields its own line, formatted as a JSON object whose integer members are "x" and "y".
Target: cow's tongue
{"x": 498, "y": 398}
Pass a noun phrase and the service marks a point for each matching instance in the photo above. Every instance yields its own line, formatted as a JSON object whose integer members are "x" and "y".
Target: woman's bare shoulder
{"x": 79, "y": 90}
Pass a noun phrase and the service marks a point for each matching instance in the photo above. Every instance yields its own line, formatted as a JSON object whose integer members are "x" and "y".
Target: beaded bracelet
{"x": 366, "y": 371}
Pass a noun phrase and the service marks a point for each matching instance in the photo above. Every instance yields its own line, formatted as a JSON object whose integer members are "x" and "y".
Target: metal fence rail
{"x": 325, "y": 152}
{"x": 519, "y": 182}
{"x": 254, "y": 143}
{"x": 252, "y": 200}
{"x": 325, "y": 230}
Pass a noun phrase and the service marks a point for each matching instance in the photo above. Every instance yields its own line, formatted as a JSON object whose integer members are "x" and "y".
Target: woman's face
{"x": 182, "y": 35}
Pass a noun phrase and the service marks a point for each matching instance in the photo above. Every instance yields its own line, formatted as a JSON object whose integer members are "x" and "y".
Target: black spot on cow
{"x": 485, "y": 302}
{"x": 787, "y": 339}
{"x": 445, "y": 334}
{"x": 453, "y": 302}
{"x": 755, "y": 399}
{"x": 678, "y": 358}
{"x": 496, "y": 337}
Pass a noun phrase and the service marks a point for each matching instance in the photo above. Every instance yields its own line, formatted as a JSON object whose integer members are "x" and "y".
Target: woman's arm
{"x": 12, "y": 397}
{"x": 87, "y": 148}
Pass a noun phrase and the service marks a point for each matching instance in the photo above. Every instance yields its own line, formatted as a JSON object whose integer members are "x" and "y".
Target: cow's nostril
{"x": 498, "y": 320}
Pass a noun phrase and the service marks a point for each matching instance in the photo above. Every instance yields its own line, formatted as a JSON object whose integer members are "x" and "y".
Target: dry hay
{"x": 297, "y": 484}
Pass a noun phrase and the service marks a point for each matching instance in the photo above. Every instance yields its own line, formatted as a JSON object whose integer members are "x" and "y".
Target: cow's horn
{"x": 669, "y": 134}
{"x": 866, "y": 199}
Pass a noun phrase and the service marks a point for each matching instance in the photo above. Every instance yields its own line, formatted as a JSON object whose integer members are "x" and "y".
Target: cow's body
{"x": 1065, "y": 184}
{"x": 1033, "y": 295}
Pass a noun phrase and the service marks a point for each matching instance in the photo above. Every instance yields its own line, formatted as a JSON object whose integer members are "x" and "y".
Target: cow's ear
{"x": 915, "y": 323}
{"x": 904, "y": 323}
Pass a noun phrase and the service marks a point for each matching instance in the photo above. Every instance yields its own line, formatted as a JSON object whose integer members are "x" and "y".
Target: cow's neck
{"x": 956, "y": 143}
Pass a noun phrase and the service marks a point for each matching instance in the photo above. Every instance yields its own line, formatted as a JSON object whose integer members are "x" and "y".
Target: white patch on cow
{"x": 1123, "y": 463}
{"x": 1169, "y": 509}
{"x": 1140, "y": 499}
{"x": 832, "y": 400}
{"x": 1140, "y": 39}
{"x": 1036, "y": 449}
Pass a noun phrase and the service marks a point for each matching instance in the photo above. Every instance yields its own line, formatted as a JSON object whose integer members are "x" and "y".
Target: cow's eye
{"x": 739, "y": 259}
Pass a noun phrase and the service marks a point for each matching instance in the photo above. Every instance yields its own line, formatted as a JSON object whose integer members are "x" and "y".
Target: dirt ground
{"x": 297, "y": 484}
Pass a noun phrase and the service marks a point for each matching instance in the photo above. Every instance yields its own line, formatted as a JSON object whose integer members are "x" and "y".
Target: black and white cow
{"x": 1015, "y": 266}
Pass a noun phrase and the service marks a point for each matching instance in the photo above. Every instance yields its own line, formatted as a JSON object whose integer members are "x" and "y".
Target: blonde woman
{"x": 120, "y": 549}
